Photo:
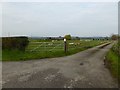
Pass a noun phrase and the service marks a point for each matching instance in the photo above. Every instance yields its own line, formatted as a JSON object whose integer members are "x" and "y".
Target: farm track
{"x": 82, "y": 70}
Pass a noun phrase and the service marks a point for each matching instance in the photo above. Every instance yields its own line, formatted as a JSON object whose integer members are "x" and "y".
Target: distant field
{"x": 38, "y": 49}
{"x": 113, "y": 58}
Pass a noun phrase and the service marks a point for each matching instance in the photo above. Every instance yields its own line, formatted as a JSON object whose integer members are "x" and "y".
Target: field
{"x": 113, "y": 62}
{"x": 38, "y": 49}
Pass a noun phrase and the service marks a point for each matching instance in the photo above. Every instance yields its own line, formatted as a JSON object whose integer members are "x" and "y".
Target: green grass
{"x": 0, "y": 54}
{"x": 112, "y": 58}
{"x": 38, "y": 49}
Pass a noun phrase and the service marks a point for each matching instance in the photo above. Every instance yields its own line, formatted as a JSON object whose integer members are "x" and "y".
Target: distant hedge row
{"x": 19, "y": 43}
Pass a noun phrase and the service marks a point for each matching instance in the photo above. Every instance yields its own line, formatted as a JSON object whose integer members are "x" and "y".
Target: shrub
{"x": 19, "y": 43}
{"x": 68, "y": 37}
{"x": 116, "y": 49}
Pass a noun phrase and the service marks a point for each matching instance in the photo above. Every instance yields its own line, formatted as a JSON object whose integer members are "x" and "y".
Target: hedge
{"x": 19, "y": 43}
{"x": 116, "y": 48}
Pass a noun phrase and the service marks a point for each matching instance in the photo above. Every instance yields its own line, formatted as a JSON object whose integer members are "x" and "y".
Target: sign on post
{"x": 65, "y": 45}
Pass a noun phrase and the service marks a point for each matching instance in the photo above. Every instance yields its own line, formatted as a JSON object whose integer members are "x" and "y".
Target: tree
{"x": 114, "y": 37}
{"x": 106, "y": 38}
{"x": 68, "y": 37}
{"x": 77, "y": 38}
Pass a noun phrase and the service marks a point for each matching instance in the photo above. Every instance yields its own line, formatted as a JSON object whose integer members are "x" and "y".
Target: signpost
{"x": 65, "y": 45}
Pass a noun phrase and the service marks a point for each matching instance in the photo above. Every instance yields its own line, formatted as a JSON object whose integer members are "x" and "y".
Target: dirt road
{"x": 82, "y": 70}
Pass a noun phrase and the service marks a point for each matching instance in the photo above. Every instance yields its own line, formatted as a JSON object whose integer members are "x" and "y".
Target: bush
{"x": 68, "y": 37}
{"x": 116, "y": 49}
{"x": 19, "y": 43}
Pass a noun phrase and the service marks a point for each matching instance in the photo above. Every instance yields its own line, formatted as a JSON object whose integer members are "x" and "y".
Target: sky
{"x": 59, "y": 18}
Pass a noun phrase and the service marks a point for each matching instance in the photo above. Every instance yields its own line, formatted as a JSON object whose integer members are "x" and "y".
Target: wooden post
{"x": 65, "y": 45}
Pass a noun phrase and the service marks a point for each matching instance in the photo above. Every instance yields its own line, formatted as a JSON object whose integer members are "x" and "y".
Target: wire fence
{"x": 58, "y": 46}
{"x": 45, "y": 46}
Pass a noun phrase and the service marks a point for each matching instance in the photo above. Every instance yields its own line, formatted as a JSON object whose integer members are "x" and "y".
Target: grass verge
{"x": 113, "y": 63}
{"x": 15, "y": 55}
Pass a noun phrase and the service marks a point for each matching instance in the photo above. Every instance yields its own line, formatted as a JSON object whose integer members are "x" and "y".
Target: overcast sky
{"x": 60, "y": 18}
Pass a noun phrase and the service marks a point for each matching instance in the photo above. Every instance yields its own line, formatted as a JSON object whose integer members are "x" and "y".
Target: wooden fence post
{"x": 65, "y": 45}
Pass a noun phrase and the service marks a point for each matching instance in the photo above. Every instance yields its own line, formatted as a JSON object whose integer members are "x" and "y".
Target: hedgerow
{"x": 11, "y": 43}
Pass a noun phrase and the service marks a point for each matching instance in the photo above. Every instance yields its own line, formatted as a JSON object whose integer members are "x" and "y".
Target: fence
{"x": 53, "y": 46}
{"x": 45, "y": 46}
